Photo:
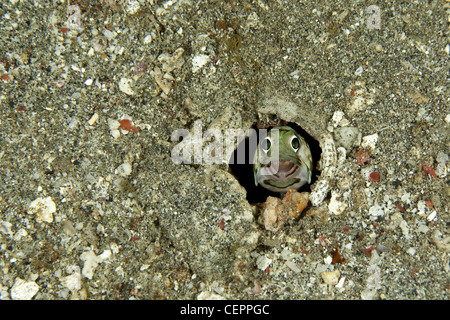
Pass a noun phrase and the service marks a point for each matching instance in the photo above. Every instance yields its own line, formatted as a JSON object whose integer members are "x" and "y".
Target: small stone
{"x": 337, "y": 117}
{"x": 5, "y": 227}
{"x": 114, "y": 247}
{"x": 114, "y": 127}
{"x": 336, "y": 205}
{"x": 132, "y": 6}
{"x": 263, "y": 262}
{"x": 328, "y": 260}
{"x": 208, "y": 295}
{"x": 369, "y": 142}
{"x": 293, "y": 266}
{"x": 270, "y": 214}
{"x": 441, "y": 168}
{"x": 347, "y": 137}
{"x": 374, "y": 176}
{"x": 162, "y": 81}
{"x": 171, "y": 62}
{"x": 93, "y": 119}
{"x": 423, "y": 228}
{"x": 432, "y": 215}
{"x": 277, "y": 211}
{"x": 378, "y": 48}
{"x": 376, "y": 210}
{"x": 440, "y": 242}
{"x": 91, "y": 261}
{"x": 115, "y": 133}
{"x": 73, "y": 281}
{"x": 359, "y": 71}
{"x": 199, "y": 61}
{"x": 24, "y": 290}
{"x": 331, "y": 277}
{"x": 113, "y": 124}
{"x": 125, "y": 85}
{"x": 340, "y": 284}
{"x": 43, "y": 208}
{"x": 421, "y": 207}
{"x": 341, "y": 153}
{"x": 148, "y": 39}
{"x": 124, "y": 169}
{"x": 88, "y": 82}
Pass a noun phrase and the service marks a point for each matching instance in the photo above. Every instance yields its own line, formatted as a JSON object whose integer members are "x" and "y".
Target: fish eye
{"x": 295, "y": 143}
{"x": 266, "y": 144}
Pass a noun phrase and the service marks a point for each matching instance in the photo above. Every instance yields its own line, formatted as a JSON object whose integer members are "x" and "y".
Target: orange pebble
{"x": 125, "y": 124}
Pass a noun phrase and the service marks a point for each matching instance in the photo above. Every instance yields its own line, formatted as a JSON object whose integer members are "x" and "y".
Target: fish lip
{"x": 273, "y": 169}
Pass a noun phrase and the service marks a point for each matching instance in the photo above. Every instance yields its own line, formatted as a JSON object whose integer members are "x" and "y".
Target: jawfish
{"x": 282, "y": 160}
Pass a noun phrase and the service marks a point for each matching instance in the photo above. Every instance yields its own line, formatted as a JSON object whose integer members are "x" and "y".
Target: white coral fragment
{"x": 43, "y": 208}
{"x": 319, "y": 191}
{"x": 199, "y": 61}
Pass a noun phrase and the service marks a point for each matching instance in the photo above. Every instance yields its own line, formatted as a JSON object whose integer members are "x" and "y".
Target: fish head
{"x": 282, "y": 160}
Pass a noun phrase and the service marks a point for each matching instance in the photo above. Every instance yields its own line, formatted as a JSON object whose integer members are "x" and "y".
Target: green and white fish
{"x": 282, "y": 160}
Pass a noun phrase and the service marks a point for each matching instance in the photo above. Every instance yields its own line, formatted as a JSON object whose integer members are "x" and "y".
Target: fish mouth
{"x": 282, "y": 175}
{"x": 280, "y": 170}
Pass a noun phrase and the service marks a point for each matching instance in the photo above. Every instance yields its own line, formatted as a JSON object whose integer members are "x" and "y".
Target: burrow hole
{"x": 244, "y": 172}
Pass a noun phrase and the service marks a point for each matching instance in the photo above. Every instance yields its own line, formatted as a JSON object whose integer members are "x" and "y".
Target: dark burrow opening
{"x": 244, "y": 171}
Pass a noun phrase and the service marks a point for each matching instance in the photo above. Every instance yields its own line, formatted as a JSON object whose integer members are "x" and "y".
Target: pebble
{"x": 73, "y": 124}
{"x": 73, "y": 281}
{"x": 148, "y": 39}
{"x": 199, "y": 61}
{"x": 340, "y": 284}
{"x": 208, "y": 295}
{"x": 336, "y": 206}
{"x": 263, "y": 262}
{"x": 93, "y": 119}
{"x": 347, "y": 137}
{"x": 24, "y": 290}
{"x": 5, "y": 227}
{"x": 359, "y": 71}
{"x": 337, "y": 117}
{"x": 132, "y": 6}
{"x": 114, "y": 128}
{"x": 124, "y": 169}
{"x": 369, "y": 142}
{"x": 43, "y": 208}
{"x": 91, "y": 261}
{"x": 341, "y": 155}
{"x": 423, "y": 228}
{"x": 293, "y": 266}
{"x": 125, "y": 85}
{"x": 331, "y": 277}
{"x": 411, "y": 251}
{"x": 432, "y": 215}
{"x": 162, "y": 81}
{"x": 171, "y": 62}
{"x": 441, "y": 168}
{"x": 277, "y": 211}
